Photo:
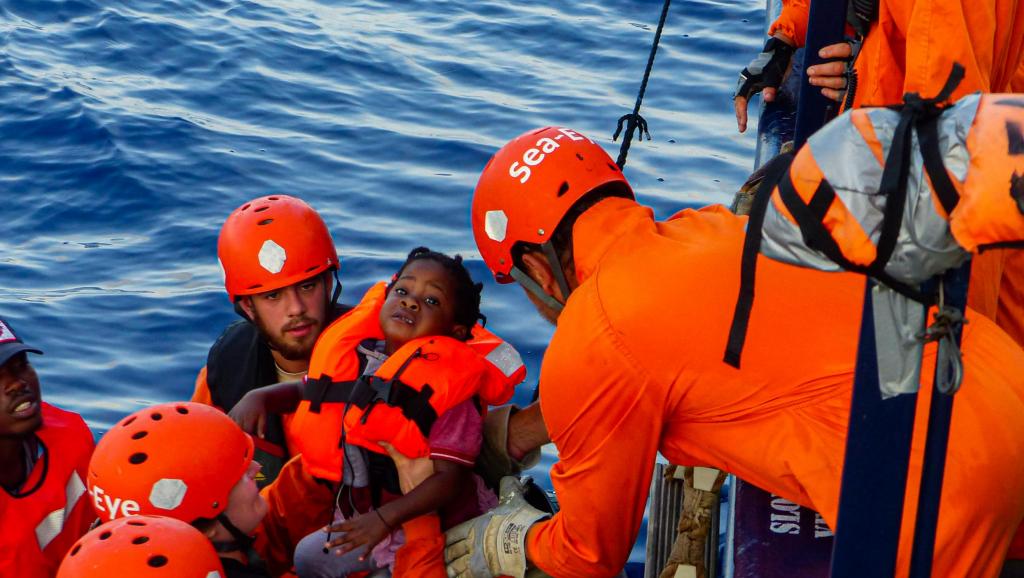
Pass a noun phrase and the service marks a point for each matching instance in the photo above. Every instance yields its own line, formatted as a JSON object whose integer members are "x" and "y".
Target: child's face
{"x": 421, "y": 303}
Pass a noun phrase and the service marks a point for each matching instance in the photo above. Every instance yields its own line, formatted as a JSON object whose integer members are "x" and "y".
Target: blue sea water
{"x": 129, "y": 131}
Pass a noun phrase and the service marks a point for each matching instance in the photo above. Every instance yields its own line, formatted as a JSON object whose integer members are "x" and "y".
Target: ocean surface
{"x": 130, "y": 130}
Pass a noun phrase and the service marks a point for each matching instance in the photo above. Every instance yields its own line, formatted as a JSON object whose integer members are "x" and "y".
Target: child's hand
{"x": 250, "y": 413}
{"x": 364, "y": 530}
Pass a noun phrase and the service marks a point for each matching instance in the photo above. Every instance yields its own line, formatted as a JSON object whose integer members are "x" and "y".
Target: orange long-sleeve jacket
{"x": 637, "y": 359}
{"x": 912, "y": 46}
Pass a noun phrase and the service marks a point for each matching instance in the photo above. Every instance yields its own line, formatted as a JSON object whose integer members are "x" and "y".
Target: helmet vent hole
{"x": 256, "y": 286}
{"x": 140, "y": 540}
{"x": 308, "y": 269}
{"x": 564, "y": 188}
{"x": 271, "y": 198}
{"x": 265, "y": 222}
{"x": 105, "y": 535}
{"x": 579, "y": 156}
{"x": 246, "y": 207}
{"x": 157, "y": 561}
{"x": 136, "y": 523}
{"x": 76, "y": 549}
{"x": 128, "y": 421}
{"x": 261, "y": 209}
{"x": 156, "y": 416}
{"x": 182, "y": 410}
{"x": 139, "y": 435}
{"x": 614, "y": 167}
{"x": 138, "y": 458}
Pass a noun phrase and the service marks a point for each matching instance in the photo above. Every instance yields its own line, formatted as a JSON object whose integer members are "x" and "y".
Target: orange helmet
{"x": 272, "y": 242}
{"x": 529, "y": 185}
{"x": 142, "y": 546}
{"x": 173, "y": 459}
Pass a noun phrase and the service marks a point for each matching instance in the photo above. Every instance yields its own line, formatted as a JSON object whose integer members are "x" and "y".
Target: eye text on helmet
{"x": 112, "y": 508}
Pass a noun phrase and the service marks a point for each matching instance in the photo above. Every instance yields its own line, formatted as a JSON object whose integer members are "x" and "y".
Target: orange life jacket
{"x": 52, "y": 511}
{"x": 400, "y": 402}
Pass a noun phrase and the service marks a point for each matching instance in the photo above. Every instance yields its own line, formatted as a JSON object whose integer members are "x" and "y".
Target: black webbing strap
{"x": 325, "y": 390}
{"x": 748, "y": 260}
{"x": 894, "y": 189}
{"x": 369, "y": 390}
{"x": 928, "y": 139}
{"x": 913, "y": 113}
{"x": 817, "y": 237}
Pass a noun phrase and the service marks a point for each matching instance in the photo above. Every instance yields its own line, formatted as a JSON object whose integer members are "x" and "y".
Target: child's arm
{"x": 448, "y": 481}
{"x": 250, "y": 413}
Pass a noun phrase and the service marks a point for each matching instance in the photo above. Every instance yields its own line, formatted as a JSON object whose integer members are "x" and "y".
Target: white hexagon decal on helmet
{"x": 272, "y": 256}
{"x": 167, "y": 494}
{"x": 496, "y": 225}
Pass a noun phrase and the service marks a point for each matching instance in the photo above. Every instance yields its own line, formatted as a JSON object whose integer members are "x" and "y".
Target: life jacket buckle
{"x": 382, "y": 393}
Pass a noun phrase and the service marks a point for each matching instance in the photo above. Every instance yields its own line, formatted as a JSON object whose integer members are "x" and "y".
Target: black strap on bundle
{"x": 774, "y": 171}
{"x": 916, "y": 113}
{"x": 370, "y": 390}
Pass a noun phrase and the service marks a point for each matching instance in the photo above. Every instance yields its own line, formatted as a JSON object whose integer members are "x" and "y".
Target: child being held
{"x": 406, "y": 367}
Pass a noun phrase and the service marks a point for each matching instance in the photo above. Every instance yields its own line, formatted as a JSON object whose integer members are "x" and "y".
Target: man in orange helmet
{"x": 635, "y": 367}
{"x": 44, "y": 454}
{"x": 278, "y": 260}
{"x": 143, "y": 547}
{"x": 187, "y": 461}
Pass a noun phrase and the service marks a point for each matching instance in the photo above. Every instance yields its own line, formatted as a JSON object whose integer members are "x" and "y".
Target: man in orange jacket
{"x": 642, "y": 312}
{"x": 44, "y": 458}
{"x": 911, "y": 47}
{"x": 278, "y": 258}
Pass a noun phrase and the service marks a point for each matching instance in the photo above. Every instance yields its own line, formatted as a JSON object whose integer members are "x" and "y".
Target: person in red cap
{"x": 635, "y": 368}
{"x": 44, "y": 453}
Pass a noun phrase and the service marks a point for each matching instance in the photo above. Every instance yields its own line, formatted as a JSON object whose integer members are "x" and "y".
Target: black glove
{"x": 767, "y": 70}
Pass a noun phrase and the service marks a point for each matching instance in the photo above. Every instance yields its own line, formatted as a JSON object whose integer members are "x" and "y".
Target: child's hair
{"x": 467, "y": 293}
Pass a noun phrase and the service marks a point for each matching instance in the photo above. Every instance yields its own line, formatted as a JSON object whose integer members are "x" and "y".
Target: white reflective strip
{"x": 49, "y": 528}
{"x": 74, "y": 490}
{"x": 53, "y": 523}
{"x": 213, "y": 574}
{"x": 506, "y": 358}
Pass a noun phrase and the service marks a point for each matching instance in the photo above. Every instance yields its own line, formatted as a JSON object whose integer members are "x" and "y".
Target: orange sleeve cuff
{"x": 427, "y": 526}
{"x": 423, "y": 552}
{"x": 202, "y": 391}
{"x": 792, "y": 22}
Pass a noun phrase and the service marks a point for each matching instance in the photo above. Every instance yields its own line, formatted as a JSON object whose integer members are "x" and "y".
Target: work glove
{"x": 494, "y": 463}
{"x": 767, "y": 70}
{"x": 493, "y": 544}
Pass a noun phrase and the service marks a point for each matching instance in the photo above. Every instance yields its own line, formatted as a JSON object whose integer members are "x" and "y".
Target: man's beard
{"x": 289, "y": 350}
